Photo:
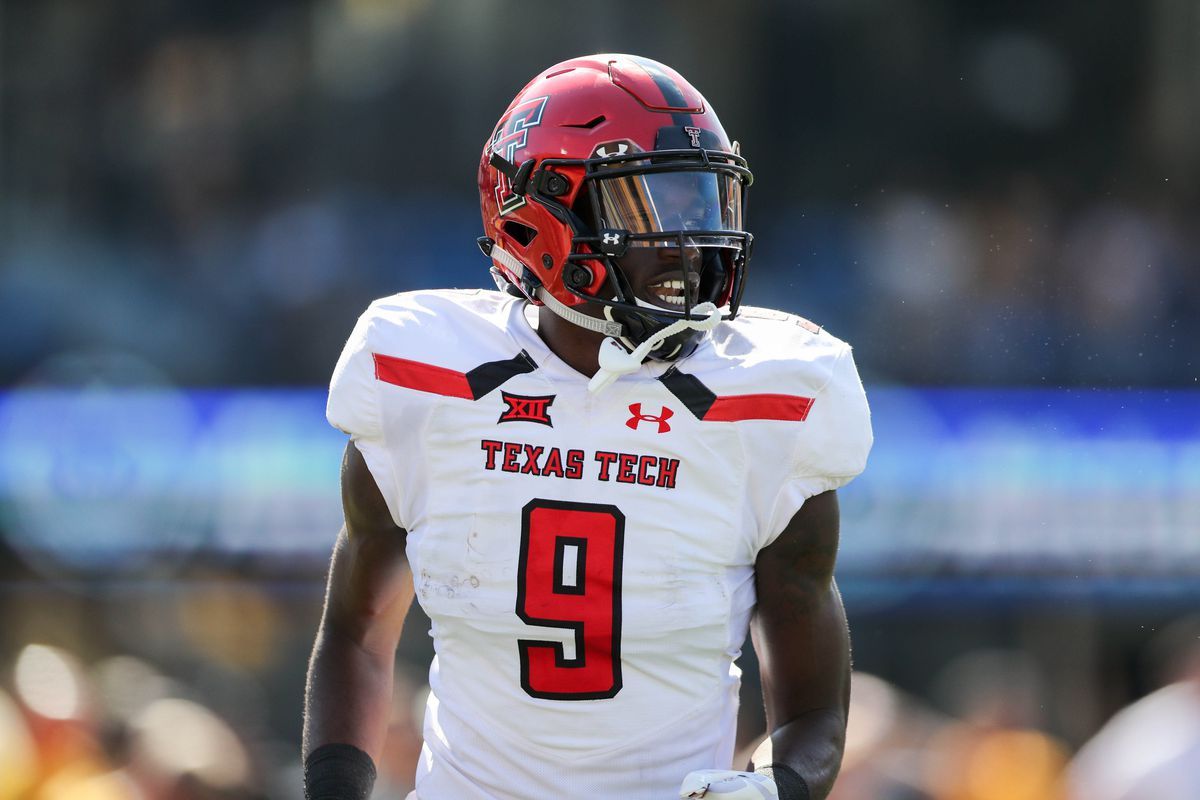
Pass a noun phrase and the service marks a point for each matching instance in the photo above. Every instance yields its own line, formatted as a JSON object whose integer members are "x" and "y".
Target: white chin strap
{"x": 616, "y": 361}
{"x": 513, "y": 264}
{"x": 606, "y": 326}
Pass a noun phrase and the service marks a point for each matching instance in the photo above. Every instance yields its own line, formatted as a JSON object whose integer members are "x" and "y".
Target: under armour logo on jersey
{"x": 526, "y": 409}
{"x": 693, "y": 134}
{"x": 638, "y": 417}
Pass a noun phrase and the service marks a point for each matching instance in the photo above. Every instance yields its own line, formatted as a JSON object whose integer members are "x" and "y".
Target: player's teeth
{"x": 670, "y": 292}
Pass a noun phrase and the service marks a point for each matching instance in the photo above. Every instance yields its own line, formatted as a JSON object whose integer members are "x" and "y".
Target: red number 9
{"x": 570, "y": 577}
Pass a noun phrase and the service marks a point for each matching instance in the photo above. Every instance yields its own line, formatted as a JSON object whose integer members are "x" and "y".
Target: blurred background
{"x": 995, "y": 203}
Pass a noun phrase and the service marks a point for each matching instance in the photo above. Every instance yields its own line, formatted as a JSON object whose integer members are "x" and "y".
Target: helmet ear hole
{"x": 578, "y": 277}
{"x": 553, "y": 184}
{"x": 521, "y": 234}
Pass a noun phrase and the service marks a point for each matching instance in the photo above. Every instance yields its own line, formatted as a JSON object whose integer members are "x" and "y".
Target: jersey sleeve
{"x": 353, "y": 408}
{"x": 833, "y": 444}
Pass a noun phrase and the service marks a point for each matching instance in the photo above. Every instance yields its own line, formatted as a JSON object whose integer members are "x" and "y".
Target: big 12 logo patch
{"x": 520, "y": 408}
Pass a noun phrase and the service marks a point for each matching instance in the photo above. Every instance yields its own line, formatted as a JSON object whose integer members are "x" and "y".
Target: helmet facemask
{"x": 665, "y": 229}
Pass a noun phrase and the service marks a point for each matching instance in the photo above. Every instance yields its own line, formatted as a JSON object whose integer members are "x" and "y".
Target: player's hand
{"x": 724, "y": 784}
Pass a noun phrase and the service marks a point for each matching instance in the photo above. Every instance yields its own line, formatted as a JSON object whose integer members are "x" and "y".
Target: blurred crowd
{"x": 988, "y": 737}
{"x": 221, "y": 188}
{"x": 125, "y": 727}
{"x": 192, "y": 691}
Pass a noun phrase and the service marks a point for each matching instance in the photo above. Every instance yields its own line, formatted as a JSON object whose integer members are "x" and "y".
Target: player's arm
{"x": 803, "y": 644}
{"x": 349, "y": 692}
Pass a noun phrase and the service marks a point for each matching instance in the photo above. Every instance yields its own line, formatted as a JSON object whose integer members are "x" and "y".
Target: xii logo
{"x": 526, "y": 409}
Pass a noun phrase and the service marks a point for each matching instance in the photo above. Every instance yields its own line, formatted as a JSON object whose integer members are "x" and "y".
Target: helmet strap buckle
{"x": 518, "y": 177}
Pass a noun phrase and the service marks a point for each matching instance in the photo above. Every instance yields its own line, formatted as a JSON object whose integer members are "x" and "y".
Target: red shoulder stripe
{"x": 736, "y": 407}
{"x": 422, "y": 377}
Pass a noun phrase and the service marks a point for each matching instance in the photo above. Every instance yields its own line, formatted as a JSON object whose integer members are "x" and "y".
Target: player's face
{"x": 661, "y": 276}
{"x": 679, "y": 270}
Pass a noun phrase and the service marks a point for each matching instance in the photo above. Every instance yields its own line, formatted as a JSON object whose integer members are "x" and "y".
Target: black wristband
{"x": 791, "y": 786}
{"x": 338, "y": 772}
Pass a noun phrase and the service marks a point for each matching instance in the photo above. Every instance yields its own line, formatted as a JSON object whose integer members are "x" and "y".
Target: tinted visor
{"x": 671, "y": 202}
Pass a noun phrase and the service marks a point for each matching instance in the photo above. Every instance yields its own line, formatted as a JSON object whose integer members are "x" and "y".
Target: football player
{"x": 594, "y": 481}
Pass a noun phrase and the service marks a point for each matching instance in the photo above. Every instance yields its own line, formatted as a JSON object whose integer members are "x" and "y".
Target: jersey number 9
{"x": 570, "y": 577}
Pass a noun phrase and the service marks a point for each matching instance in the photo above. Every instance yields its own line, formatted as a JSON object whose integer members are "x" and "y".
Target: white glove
{"x": 724, "y": 784}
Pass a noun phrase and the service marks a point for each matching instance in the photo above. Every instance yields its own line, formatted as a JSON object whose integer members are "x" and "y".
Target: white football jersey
{"x": 587, "y": 561}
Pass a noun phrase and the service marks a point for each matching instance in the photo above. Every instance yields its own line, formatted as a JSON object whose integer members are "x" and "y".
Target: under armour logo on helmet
{"x": 603, "y": 152}
{"x": 637, "y": 418}
{"x": 613, "y": 241}
{"x": 693, "y": 134}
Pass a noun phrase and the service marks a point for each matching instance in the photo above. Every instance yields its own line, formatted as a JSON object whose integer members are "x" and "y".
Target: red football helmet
{"x": 604, "y": 160}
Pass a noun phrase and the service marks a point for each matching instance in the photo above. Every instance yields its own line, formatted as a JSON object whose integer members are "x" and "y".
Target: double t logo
{"x": 638, "y": 417}
{"x": 510, "y": 137}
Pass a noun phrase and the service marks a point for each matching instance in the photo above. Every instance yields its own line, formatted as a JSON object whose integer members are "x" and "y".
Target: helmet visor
{"x": 670, "y": 202}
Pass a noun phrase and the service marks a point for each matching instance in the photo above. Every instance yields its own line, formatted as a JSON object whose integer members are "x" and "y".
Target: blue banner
{"x": 961, "y": 482}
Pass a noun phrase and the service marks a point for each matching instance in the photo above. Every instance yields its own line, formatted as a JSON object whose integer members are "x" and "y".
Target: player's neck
{"x": 576, "y": 347}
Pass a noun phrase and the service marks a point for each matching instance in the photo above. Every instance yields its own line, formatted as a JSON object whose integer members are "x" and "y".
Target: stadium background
{"x": 995, "y": 203}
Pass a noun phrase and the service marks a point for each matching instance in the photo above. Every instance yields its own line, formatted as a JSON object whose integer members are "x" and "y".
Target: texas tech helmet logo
{"x": 520, "y": 408}
{"x": 510, "y": 138}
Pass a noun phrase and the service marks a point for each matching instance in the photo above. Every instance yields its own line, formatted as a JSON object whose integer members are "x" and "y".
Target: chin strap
{"x": 514, "y": 266}
{"x": 616, "y": 361}
{"x": 605, "y": 326}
